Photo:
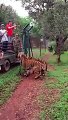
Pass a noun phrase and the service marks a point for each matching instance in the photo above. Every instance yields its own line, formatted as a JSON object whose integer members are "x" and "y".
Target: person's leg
{"x": 3, "y": 46}
{"x": 6, "y": 45}
{"x": 9, "y": 39}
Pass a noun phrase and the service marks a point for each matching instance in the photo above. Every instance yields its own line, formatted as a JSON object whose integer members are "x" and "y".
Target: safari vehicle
{"x": 7, "y": 58}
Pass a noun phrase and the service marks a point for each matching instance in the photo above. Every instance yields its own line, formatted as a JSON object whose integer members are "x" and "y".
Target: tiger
{"x": 39, "y": 67}
{"x": 36, "y": 65}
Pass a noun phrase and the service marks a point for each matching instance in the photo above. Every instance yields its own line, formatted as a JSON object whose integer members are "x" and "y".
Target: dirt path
{"x": 23, "y": 105}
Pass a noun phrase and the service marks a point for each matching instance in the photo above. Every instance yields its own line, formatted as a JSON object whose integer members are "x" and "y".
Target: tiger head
{"x": 20, "y": 54}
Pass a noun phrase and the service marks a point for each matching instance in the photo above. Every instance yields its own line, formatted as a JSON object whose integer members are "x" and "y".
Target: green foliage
{"x": 52, "y": 17}
{"x": 53, "y": 44}
{"x": 55, "y": 20}
{"x": 50, "y": 49}
{"x": 36, "y": 30}
{"x": 7, "y": 13}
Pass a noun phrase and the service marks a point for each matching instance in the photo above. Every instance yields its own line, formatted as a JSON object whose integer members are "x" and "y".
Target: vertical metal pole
{"x": 40, "y": 47}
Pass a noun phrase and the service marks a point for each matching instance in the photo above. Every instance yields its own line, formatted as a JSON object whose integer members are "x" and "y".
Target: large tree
{"x": 52, "y": 16}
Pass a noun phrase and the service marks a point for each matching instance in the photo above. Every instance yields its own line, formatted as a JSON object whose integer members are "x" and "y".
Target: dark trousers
{"x": 4, "y": 46}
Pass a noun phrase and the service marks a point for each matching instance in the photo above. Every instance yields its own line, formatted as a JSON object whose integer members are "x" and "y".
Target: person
{"x": 17, "y": 44}
{"x": 3, "y": 37}
{"x": 10, "y": 28}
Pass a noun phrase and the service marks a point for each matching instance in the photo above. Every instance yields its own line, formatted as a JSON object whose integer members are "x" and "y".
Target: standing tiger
{"x": 37, "y": 66}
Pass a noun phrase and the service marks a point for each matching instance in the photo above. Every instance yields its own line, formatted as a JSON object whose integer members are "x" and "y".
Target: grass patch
{"x": 8, "y": 82}
{"x": 36, "y": 53}
{"x": 64, "y": 59}
{"x": 42, "y": 115}
{"x": 59, "y": 109}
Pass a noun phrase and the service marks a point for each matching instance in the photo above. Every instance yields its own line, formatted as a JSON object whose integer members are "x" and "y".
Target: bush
{"x": 52, "y": 46}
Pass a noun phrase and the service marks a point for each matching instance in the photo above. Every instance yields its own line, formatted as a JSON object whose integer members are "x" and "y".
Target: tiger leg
{"x": 42, "y": 72}
{"x": 46, "y": 66}
{"x": 38, "y": 75}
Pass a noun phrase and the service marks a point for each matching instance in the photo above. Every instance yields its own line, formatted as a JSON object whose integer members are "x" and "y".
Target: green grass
{"x": 64, "y": 59}
{"x": 59, "y": 109}
{"x": 8, "y": 82}
{"x": 36, "y": 52}
{"x": 42, "y": 115}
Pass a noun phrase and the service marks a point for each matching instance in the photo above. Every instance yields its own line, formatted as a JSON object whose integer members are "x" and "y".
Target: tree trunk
{"x": 65, "y": 1}
{"x": 44, "y": 40}
{"x": 58, "y": 47}
{"x": 58, "y": 60}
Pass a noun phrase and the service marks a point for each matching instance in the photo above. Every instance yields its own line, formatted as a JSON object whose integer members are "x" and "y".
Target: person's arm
{"x": 5, "y": 32}
{"x": 1, "y": 34}
{"x": 12, "y": 27}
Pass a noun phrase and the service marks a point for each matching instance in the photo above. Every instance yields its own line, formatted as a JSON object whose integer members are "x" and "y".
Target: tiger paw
{"x": 38, "y": 76}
